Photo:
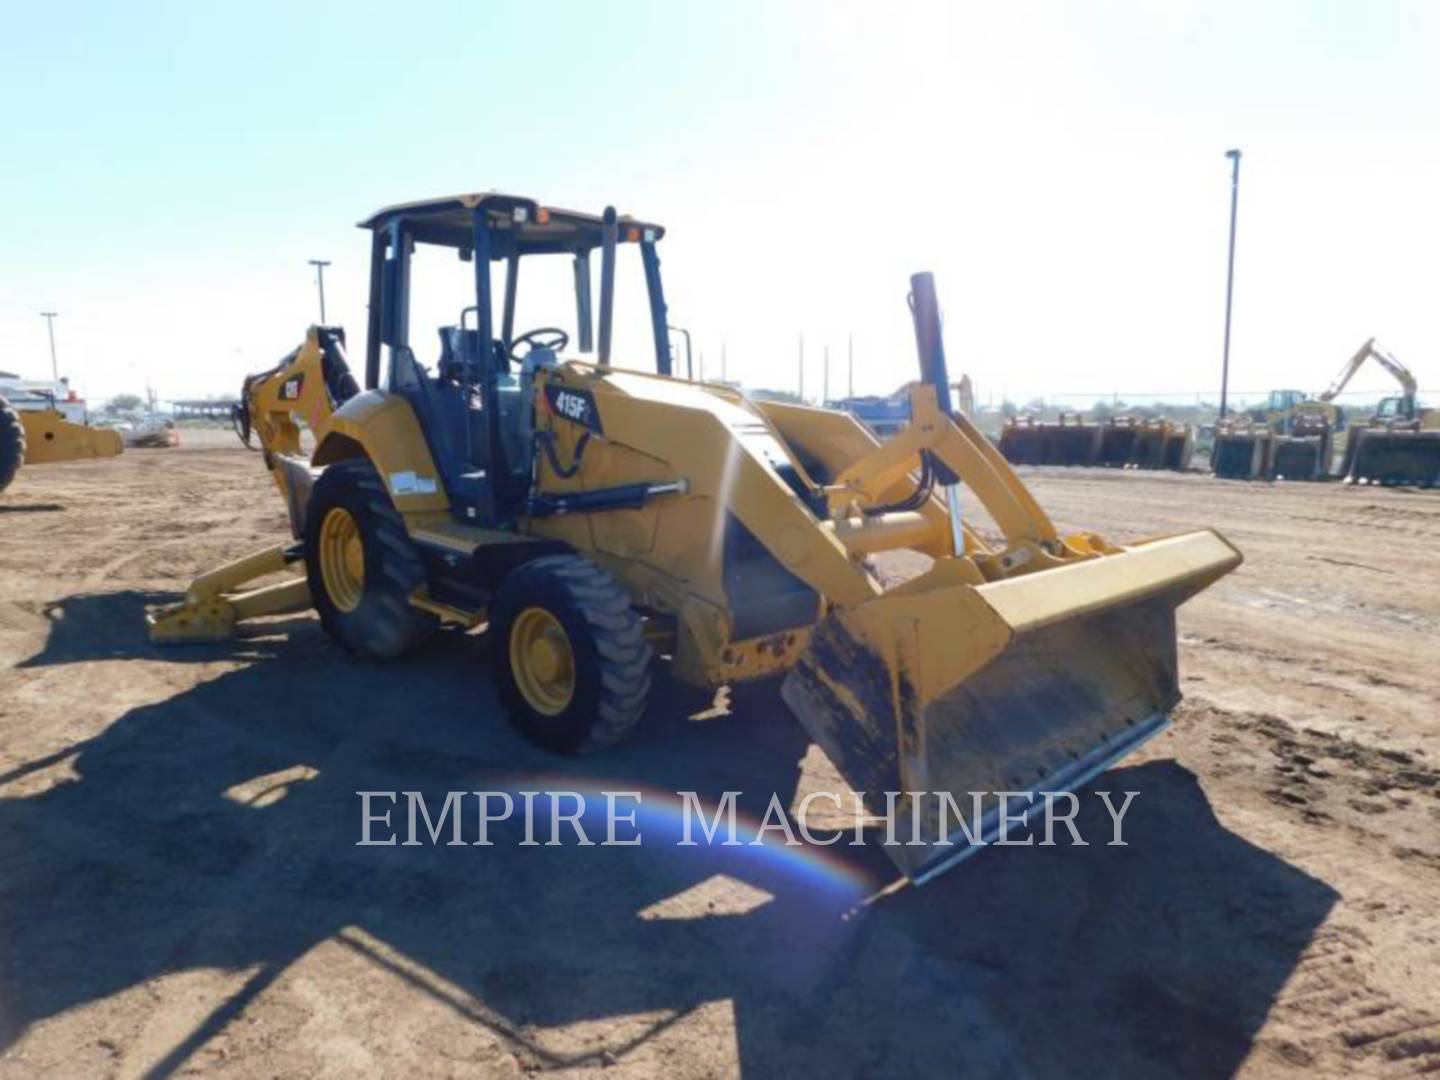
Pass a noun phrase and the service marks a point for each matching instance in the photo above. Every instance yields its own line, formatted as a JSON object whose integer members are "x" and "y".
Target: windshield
{"x": 442, "y": 289}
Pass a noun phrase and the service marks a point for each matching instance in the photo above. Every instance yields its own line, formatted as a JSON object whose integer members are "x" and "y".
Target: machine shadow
{"x": 166, "y": 849}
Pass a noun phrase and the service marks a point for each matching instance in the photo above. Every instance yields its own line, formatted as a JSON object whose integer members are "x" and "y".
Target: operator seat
{"x": 458, "y": 343}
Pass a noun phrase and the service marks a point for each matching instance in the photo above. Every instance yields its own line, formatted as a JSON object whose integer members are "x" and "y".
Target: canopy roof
{"x": 526, "y": 226}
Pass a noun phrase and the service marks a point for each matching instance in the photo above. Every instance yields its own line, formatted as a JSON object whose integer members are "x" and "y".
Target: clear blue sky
{"x": 169, "y": 169}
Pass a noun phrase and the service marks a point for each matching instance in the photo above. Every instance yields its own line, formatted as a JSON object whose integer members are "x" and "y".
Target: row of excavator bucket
{"x": 1257, "y": 453}
{"x": 1244, "y": 451}
{"x": 1123, "y": 442}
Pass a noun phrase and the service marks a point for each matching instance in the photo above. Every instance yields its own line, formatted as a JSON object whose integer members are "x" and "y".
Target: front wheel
{"x": 570, "y": 654}
{"x": 362, "y": 566}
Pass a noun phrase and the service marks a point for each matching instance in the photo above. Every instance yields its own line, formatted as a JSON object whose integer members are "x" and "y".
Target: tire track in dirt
{"x": 1377, "y": 793}
{"x": 1333, "y": 1015}
{"x": 1336, "y": 1013}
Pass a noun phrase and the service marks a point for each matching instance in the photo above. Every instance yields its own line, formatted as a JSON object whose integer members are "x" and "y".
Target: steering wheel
{"x": 542, "y": 337}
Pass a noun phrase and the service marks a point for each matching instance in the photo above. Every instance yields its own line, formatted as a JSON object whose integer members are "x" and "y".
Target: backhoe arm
{"x": 1369, "y": 351}
{"x": 308, "y": 385}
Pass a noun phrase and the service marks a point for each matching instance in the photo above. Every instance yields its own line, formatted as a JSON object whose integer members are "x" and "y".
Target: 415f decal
{"x": 575, "y": 405}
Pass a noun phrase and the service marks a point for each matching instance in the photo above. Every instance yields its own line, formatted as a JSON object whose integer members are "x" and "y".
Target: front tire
{"x": 362, "y": 566}
{"x": 12, "y": 443}
{"x": 570, "y": 654}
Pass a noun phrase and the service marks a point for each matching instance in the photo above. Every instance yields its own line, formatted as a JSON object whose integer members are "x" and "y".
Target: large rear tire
{"x": 12, "y": 443}
{"x": 362, "y": 566}
{"x": 571, "y": 657}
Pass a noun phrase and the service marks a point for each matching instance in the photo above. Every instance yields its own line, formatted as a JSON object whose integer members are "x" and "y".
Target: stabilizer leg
{"x": 217, "y": 601}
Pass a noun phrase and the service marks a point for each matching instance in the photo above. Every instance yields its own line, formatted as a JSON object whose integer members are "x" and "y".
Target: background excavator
{"x": 35, "y": 430}
{"x": 1293, "y": 436}
{"x": 600, "y": 519}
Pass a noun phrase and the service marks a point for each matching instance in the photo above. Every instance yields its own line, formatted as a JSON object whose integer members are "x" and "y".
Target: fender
{"x": 381, "y": 426}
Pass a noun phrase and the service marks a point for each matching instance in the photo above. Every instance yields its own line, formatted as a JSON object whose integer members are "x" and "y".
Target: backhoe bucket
{"x": 992, "y": 694}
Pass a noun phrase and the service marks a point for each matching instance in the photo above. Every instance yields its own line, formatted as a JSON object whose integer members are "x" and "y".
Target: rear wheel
{"x": 12, "y": 443}
{"x": 362, "y": 566}
{"x": 570, "y": 654}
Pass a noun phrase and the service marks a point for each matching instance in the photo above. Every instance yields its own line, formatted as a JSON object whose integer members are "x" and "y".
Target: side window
{"x": 442, "y": 286}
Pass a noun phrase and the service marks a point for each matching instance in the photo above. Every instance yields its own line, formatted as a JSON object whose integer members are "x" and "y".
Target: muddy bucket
{"x": 994, "y": 693}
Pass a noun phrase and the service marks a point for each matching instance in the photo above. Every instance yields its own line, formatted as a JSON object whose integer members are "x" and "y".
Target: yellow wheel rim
{"x": 342, "y": 559}
{"x": 542, "y": 661}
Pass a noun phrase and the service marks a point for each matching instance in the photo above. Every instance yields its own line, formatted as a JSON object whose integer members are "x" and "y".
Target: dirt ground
{"x": 180, "y": 890}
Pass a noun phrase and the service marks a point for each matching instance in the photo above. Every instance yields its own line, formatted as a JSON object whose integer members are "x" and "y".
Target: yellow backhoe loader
{"x": 34, "y": 431}
{"x": 597, "y": 517}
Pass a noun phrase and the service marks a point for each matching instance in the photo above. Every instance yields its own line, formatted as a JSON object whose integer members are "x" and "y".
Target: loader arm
{"x": 991, "y": 678}
{"x": 968, "y": 453}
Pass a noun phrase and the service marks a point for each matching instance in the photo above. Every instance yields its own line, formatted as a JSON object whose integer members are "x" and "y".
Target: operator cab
{"x": 476, "y": 404}
{"x": 1395, "y": 409}
{"x": 1281, "y": 400}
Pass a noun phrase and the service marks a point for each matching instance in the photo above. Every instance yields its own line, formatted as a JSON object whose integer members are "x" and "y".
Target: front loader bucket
{"x": 1001, "y": 691}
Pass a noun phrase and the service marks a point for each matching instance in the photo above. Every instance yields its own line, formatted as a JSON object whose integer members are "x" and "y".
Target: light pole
{"x": 801, "y": 364}
{"x": 1234, "y": 156}
{"x": 850, "y": 348}
{"x": 49, "y": 317}
{"x": 320, "y": 265}
{"x": 689, "y": 359}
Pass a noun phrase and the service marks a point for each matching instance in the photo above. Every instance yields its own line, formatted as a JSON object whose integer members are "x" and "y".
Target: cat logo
{"x": 577, "y": 406}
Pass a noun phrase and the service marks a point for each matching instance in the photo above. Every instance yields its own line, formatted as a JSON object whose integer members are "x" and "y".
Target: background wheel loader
{"x": 598, "y": 517}
{"x": 34, "y": 431}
